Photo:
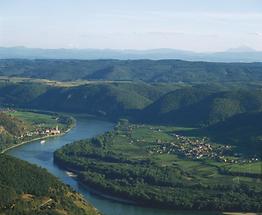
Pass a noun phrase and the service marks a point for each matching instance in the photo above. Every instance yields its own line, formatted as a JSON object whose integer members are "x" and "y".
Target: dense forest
{"x": 129, "y": 163}
{"x": 200, "y": 106}
{"x": 242, "y": 130}
{"x": 187, "y": 105}
{"x": 27, "y": 189}
{"x": 135, "y": 70}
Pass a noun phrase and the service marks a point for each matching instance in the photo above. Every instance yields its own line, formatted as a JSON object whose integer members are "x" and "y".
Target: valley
{"x": 198, "y": 140}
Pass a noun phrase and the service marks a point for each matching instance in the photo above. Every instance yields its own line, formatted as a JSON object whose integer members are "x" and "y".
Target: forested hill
{"x": 201, "y": 105}
{"x": 242, "y": 130}
{"x": 10, "y": 129}
{"x": 111, "y": 100}
{"x": 26, "y": 189}
{"x": 145, "y": 70}
{"x": 12, "y": 125}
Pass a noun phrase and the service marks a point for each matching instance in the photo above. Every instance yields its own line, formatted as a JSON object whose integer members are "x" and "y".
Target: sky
{"x": 195, "y": 25}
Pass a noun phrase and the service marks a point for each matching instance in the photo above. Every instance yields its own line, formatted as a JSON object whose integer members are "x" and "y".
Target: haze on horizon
{"x": 206, "y": 25}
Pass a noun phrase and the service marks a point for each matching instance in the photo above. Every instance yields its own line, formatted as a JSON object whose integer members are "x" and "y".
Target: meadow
{"x": 46, "y": 120}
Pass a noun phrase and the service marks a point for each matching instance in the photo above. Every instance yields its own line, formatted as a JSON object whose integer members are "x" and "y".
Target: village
{"x": 188, "y": 147}
{"x": 41, "y": 132}
{"x": 40, "y": 125}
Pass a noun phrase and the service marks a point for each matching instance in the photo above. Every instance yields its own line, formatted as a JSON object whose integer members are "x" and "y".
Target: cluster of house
{"x": 42, "y": 131}
{"x": 195, "y": 148}
{"x": 191, "y": 147}
{"x": 7, "y": 110}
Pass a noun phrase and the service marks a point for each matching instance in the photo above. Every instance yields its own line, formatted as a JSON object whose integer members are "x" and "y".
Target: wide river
{"x": 42, "y": 155}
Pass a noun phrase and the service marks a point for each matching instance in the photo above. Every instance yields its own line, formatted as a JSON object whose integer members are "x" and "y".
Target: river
{"x": 42, "y": 155}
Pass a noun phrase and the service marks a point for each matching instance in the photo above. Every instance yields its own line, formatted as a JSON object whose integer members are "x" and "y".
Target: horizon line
{"x": 229, "y": 50}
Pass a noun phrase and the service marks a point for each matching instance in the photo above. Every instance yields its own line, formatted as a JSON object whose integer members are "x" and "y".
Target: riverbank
{"x": 39, "y": 138}
{"x": 92, "y": 190}
{"x": 107, "y": 196}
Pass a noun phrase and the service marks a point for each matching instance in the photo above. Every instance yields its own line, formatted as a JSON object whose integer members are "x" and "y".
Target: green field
{"x": 46, "y": 120}
{"x": 246, "y": 168}
{"x": 16, "y": 80}
{"x": 35, "y": 118}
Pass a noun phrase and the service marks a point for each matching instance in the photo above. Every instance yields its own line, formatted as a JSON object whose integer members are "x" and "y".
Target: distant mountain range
{"x": 240, "y": 54}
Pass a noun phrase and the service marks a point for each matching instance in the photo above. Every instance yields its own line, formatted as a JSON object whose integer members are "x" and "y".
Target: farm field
{"x": 40, "y": 119}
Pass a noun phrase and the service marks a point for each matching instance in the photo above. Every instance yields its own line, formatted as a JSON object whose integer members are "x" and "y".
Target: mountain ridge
{"x": 238, "y": 54}
{"x": 131, "y": 70}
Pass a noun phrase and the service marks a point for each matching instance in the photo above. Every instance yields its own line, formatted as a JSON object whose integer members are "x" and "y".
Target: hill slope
{"x": 242, "y": 130}
{"x": 109, "y": 99}
{"x": 144, "y": 70}
{"x": 10, "y": 129}
{"x": 26, "y": 189}
{"x": 196, "y": 107}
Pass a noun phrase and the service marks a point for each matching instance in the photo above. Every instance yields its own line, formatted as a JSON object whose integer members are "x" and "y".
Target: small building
{"x": 55, "y": 131}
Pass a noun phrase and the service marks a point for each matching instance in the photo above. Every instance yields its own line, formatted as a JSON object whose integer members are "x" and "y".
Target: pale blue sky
{"x": 198, "y": 25}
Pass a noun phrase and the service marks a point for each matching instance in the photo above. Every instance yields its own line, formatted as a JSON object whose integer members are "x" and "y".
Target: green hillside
{"x": 243, "y": 131}
{"x": 198, "y": 107}
{"x": 13, "y": 125}
{"x": 10, "y": 129}
{"x": 145, "y": 70}
{"x": 107, "y": 99}
{"x": 20, "y": 94}
{"x": 26, "y": 189}
{"x": 175, "y": 100}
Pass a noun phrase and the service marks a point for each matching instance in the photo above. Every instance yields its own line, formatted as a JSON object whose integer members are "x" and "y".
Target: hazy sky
{"x": 198, "y": 25}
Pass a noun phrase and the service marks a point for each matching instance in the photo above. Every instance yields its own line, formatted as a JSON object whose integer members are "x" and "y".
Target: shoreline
{"x": 135, "y": 203}
{"x": 38, "y": 138}
{"x": 93, "y": 190}
{"x": 108, "y": 196}
{"x": 111, "y": 197}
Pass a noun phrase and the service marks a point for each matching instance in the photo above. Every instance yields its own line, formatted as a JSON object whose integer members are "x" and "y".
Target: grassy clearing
{"x": 6, "y": 79}
{"x": 38, "y": 119}
{"x": 246, "y": 168}
{"x": 34, "y": 118}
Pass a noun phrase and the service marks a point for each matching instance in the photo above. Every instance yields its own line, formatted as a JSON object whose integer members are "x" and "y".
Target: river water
{"x": 42, "y": 155}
